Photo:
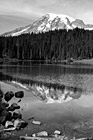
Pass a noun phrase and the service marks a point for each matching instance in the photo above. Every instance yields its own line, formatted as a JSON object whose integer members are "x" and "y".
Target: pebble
{"x": 36, "y": 122}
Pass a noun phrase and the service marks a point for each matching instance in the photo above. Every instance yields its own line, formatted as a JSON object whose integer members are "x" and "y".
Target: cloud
{"x": 37, "y": 8}
{"x": 17, "y": 7}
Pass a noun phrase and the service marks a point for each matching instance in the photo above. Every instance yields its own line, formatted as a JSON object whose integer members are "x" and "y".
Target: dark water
{"x": 77, "y": 112}
{"x": 75, "y": 76}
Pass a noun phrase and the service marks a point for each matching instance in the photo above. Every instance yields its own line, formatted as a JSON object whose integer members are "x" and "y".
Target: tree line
{"x": 52, "y": 45}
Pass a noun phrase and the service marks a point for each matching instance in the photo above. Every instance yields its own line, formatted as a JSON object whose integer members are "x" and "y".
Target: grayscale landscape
{"x": 46, "y": 70}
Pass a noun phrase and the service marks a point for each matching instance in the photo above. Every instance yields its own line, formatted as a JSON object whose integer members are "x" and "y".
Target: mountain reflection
{"x": 48, "y": 92}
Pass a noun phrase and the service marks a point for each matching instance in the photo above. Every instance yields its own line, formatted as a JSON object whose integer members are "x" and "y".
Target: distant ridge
{"x": 49, "y": 22}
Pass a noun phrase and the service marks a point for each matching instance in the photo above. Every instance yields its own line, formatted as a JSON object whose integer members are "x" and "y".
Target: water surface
{"x": 77, "y": 113}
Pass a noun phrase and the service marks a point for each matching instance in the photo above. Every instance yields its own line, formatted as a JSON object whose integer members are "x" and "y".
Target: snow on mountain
{"x": 19, "y": 32}
{"x": 51, "y": 95}
{"x": 49, "y": 22}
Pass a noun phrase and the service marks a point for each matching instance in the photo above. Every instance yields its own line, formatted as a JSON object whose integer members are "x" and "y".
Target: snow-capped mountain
{"x": 50, "y": 22}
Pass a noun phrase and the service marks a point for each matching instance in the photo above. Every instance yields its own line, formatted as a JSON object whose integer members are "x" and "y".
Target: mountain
{"x": 50, "y": 22}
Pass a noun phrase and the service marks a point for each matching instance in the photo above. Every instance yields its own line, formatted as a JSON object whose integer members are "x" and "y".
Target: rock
{"x": 8, "y": 96}
{"x": 2, "y": 119}
{"x": 33, "y": 135}
{"x": 19, "y": 101}
{"x": 1, "y": 94}
{"x": 2, "y": 108}
{"x": 20, "y": 124}
{"x": 9, "y": 116}
{"x": 16, "y": 122}
{"x": 4, "y": 116}
{"x": 41, "y": 134}
{"x": 11, "y": 108}
{"x": 19, "y": 94}
{"x": 9, "y": 124}
{"x": 15, "y": 106}
{"x": 5, "y": 104}
{"x": 36, "y": 122}
{"x": 17, "y": 116}
{"x": 56, "y": 133}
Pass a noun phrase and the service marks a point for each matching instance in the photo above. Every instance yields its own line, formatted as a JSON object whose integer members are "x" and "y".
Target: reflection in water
{"x": 52, "y": 93}
{"x": 73, "y": 76}
{"x": 71, "y": 86}
{"x": 48, "y": 92}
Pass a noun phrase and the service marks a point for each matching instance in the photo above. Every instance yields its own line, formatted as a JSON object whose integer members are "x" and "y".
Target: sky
{"x": 18, "y": 13}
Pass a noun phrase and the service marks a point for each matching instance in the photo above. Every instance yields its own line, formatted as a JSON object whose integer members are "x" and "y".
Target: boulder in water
{"x": 19, "y": 94}
{"x": 15, "y": 106}
{"x": 9, "y": 124}
{"x": 16, "y": 125}
{"x": 20, "y": 124}
{"x": 57, "y": 132}
{"x": 5, "y": 104}
{"x": 4, "y": 116}
{"x": 17, "y": 116}
{"x": 8, "y": 96}
{"x": 11, "y": 108}
{"x": 9, "y": 116}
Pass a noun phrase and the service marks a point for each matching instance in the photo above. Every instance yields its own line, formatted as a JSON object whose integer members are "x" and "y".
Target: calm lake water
{"x": 76, "y": 113}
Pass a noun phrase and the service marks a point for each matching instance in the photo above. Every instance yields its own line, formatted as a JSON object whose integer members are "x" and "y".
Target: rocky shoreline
{"x": 11, "y": 121}
{"x": 13, "y": 126}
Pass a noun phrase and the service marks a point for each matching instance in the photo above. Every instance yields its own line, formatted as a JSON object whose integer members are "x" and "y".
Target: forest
{"x": 53, "y": 45}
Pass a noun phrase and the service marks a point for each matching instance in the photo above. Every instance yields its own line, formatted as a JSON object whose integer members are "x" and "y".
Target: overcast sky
{"x": 16, "y": 13}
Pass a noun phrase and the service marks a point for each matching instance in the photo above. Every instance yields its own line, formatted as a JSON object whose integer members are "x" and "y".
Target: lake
{"x": 60, "y": 96}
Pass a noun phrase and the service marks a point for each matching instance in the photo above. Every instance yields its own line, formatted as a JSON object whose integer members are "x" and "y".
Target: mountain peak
{"x": 52, "y": 16}
{"x": 49, "y": 22}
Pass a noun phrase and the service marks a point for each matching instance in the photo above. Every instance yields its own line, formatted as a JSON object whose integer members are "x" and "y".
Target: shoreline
{"x": 84, "y": 62}
{"x": 31, "y": 128}
{"x": 63, "y": 62}
{"x": 24, "y": 108}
